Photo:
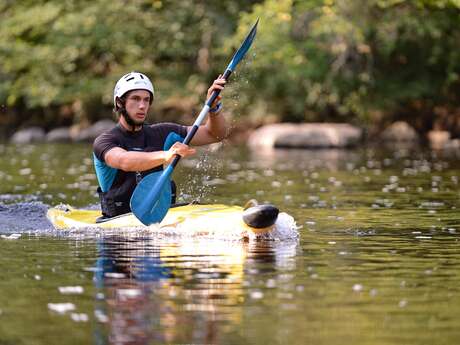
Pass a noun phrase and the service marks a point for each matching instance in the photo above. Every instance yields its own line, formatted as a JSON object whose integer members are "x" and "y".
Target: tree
{"x": 61, "y": 57}
{"x": 363, "y": 61}
{"x": 355, "y": 60}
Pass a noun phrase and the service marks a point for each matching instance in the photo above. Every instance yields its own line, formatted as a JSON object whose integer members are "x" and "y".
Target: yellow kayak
{"x": 259, "y": 219}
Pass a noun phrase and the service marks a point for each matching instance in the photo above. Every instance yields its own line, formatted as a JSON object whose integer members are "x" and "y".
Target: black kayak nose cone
{"x": 260, "y": 216}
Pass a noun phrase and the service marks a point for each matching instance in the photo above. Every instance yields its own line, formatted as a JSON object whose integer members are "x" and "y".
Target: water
{"x": 376, "y": 262}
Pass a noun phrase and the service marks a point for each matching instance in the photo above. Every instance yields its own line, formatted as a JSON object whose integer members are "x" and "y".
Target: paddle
{"x": 152, "y": 197}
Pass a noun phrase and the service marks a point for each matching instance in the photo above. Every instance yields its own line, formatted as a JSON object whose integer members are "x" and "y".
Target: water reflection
{"x": 379, "y": 256}
{"x": 190, "y": 291}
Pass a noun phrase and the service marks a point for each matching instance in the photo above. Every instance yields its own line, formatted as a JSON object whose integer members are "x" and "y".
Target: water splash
{"x": 24, "y": 217}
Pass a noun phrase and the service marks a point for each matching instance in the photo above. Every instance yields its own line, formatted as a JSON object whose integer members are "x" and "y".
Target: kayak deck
{"x": 201, "y": 218}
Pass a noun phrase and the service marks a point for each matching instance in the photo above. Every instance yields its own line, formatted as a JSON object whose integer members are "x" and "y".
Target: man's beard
{"x": 137, "y": 122}
{"x": 130, "y": 121}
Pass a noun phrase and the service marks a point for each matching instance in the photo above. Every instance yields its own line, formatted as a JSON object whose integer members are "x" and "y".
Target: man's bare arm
{"x": 119, "y": 158}
{"x": 215, "y": 128}
{"x": 213, "y": 131}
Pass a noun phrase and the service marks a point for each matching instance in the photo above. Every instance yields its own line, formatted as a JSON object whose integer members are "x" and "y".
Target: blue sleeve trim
{"x": 171, "y": 139}
{"x": 105, "y": 174}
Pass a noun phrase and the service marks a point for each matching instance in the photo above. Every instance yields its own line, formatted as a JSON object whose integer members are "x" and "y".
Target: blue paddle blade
{"x": 243, "y": 48}
{"x": 152, "y": 197}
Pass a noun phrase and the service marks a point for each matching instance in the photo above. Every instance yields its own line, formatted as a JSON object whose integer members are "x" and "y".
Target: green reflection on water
{"x": 33, "y": 268}
{"x": 377, "y": 261}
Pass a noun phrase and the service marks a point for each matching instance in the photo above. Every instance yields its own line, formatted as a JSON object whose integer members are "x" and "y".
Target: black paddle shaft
{"x": 195, "y": 126}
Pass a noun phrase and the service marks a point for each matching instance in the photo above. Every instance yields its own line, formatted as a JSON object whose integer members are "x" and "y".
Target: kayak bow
{"x": 258, "y": 219}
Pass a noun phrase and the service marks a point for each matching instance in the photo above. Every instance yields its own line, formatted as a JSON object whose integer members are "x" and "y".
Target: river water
{"x": 376, "y": 259}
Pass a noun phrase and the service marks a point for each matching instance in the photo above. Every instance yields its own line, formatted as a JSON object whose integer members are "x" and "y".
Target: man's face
{"x": 137, "y": 105}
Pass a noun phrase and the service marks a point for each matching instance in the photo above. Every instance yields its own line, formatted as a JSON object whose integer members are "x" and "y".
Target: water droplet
{"x": 69, "y": 290}
{"x": 61, "y": 308}
{"x": 402, "y": 303}
{"x": 79, "y": 317}
{"x": 357, "y": 287}
{"x": 100, "y": 316}
{"x": 256, "y": 295}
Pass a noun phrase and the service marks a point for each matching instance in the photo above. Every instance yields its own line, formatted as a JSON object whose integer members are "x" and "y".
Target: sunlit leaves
{"x": 312, "y": 59}
{"x": 53, "y": 51}
{"x": 336, "y": 58}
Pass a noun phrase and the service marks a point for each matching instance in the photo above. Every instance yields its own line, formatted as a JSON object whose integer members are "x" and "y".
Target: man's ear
{"x": 119, "y": 103}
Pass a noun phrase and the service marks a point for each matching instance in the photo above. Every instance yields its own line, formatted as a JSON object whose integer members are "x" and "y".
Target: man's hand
{"x": 178, "y": 149}
{"x": 218, "y": 84}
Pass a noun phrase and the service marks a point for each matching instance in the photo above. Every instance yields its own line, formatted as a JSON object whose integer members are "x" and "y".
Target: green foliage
{"x": 312, "y": 60}
{"x": 343, "y": 60}
{"x": 56, "y": 53}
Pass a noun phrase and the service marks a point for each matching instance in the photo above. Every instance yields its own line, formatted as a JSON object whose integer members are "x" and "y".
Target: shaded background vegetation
{"x": 367, "y": 62}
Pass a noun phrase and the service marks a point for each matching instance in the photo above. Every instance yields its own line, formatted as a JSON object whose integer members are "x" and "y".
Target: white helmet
{"x": 132, "y": 81}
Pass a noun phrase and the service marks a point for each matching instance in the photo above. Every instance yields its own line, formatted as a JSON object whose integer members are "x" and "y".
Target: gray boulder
{"x": 453, "y": 144}
{"x": 28, "y": 135}
{"x": 92, "y": 132}
{"x": 59, "y": 135}
{"x": 440, "y": 140}
{"x": 306, "y": 135}
{"x": 400, "y": 132}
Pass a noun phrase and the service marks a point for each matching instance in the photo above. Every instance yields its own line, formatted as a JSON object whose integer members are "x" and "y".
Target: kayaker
{"x": 133, "y": 149}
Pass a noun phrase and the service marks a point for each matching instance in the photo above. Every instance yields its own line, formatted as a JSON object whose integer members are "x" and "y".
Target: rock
{"x": 61, "y": 134}
{"x": 306, "y": 135}
{"x": 438, "y": 139}
{"x": 28, "y": 135}
{"x": 398, "y": 132}
{"x": 453, "y": 144}
{"x": 90, "y": 133}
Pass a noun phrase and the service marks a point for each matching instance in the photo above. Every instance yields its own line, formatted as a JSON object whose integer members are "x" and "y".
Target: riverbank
{"x": 277, "y": 135}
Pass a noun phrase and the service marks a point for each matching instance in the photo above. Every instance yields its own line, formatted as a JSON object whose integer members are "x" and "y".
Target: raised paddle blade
{"x": 152, "y": 197}
{"x": 243, "y": 48}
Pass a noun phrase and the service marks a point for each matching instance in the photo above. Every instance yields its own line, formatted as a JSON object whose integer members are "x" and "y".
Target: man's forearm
{"x": 139, "y": 161}
{"x": 217, "y": 126}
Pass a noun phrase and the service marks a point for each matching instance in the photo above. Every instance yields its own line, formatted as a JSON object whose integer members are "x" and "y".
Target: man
{"x": 132, "y": 149}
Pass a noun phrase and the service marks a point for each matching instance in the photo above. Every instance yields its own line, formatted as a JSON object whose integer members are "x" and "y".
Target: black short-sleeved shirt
{"x": 150, "y": 138}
